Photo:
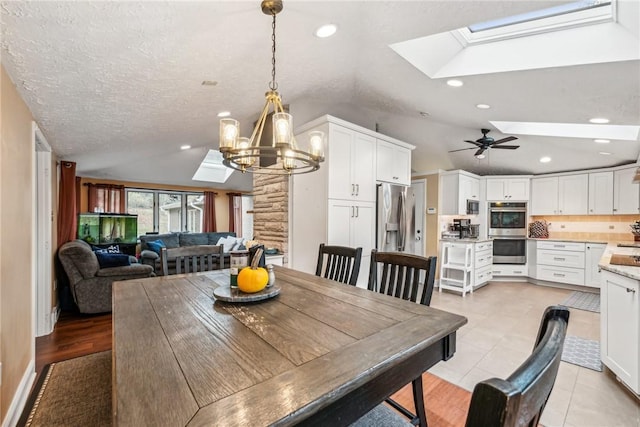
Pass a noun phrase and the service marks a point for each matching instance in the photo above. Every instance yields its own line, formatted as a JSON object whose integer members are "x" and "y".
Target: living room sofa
{"x": 176, "y": 240}
{"x": 90, "y": 284}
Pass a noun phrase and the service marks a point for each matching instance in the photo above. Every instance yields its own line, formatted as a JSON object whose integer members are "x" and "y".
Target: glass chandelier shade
{"x": 283, "y": 156}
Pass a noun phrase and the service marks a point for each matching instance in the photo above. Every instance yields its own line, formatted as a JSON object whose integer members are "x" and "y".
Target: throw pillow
{"x": 239, "y": 244}
{"x": 112, "y": 260}
{"x": 227, "y": 243}
{"x": 156, "y": 246}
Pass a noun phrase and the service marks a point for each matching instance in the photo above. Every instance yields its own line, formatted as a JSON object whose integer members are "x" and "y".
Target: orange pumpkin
{"x": 252, "y": 280}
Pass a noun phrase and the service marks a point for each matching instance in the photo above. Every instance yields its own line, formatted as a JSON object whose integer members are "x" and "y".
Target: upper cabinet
{"x": 559, "y": 195}
{"x": 393, "y": 163}
{"x": 458, "y": 187}
{"x": 626, "y": 193}
{"x": 601, "y": 193}
{"x": 508, "y": 189}
{"x": 351, "y": 162}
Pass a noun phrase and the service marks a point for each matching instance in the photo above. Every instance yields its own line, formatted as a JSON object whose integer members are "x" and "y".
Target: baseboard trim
{"x": 21, "y": 396}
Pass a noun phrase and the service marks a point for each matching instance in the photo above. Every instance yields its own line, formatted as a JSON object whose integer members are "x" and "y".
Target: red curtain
{"x": 235, "y": 213}
{"x": 209, "y": 220}
{"x": 67, "y": 210}
{"x": 106, "y": 198}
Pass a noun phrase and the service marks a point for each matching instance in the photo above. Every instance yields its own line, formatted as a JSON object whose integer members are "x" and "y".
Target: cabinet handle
{"x": 353, "y": 189}
{"x": 558, "y": 259}
{"x": 631, "y": 290}
{"x": 616, "y": 210}
{"x": 357, "y": 211}
{"x": 558, "y": 246}
{"x": 357, "y": 189}
{"x": 352, "y": 211}
{"x": 558, "y": 274}
{"x": 517, "y": 271}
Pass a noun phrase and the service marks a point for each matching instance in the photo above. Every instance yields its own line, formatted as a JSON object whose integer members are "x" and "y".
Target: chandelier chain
{"x": 273, "y": 85}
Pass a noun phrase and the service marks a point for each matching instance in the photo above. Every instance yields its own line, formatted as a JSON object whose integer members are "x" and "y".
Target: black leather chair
{"x": 400, "y": 277}
{"x": 191, "y": 259}
{"x": 340, "y": 263}
{"x": 520, "y": 399}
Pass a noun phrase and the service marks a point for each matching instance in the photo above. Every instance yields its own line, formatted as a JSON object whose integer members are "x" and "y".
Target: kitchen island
{"x": 620, "y": 314}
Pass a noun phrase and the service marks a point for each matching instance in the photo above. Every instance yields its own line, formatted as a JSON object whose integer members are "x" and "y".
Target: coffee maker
{"x": 465, "y": 229}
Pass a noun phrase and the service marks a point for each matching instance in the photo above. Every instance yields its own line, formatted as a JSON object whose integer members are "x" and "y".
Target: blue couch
{"x": 176, "y": 240}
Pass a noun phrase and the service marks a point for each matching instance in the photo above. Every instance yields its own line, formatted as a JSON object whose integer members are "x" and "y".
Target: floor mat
{"x": 583, "y": 301}
{"x": 582, "y": 352}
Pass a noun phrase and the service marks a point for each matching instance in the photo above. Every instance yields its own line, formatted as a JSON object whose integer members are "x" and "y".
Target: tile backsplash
{"x": 590, "y": 227}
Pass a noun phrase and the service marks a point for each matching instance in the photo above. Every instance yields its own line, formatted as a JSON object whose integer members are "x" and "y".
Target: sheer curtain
{"x": 209, "y": 221}
{"x": 106, "y": 198}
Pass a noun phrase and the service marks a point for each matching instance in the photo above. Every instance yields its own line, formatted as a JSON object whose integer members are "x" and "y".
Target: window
{"x": 166, "y": 211}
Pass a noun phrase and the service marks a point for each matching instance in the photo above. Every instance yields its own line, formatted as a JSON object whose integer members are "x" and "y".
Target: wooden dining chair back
{"x": 339, "y": 263}
{"x": 400, "y": 276}
{"x": 191, "y": 259}
{"x": 519, "y": 400}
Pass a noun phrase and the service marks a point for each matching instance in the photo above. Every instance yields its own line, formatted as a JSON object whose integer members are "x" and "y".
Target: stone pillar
{"x": 271, "y": 211}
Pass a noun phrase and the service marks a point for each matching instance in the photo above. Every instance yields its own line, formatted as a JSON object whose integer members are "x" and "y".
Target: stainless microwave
{"x": 473, "y": 207}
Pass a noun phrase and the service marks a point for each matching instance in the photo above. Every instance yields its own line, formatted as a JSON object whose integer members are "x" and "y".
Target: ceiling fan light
{"x": 480, "y": 156}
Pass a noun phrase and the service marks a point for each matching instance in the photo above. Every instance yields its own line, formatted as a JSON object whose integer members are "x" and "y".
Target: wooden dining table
{"x": 319, "y": 353}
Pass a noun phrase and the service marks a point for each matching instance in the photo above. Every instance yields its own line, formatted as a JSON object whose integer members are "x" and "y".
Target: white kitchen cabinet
{"x": 352, "y": 224}
{"x": 465, "y": 265}
{"x": 619, "y": 327}
{"x": 515, "y": 270}
{"x": 456, "y": 188}
{"x": 561, "y": 262}
{"x": 601, "y": 193}
{"x": 626, "y": 193}
{"x": 351, "y": 163}
{"x": 559, "y": 195}
{"x": 592, "y": 254}
{"x": 508, "y": 189}
{"x": 393, "y": 163}
{"x": 335, "y": 204}
{"x": 573, "y": 193}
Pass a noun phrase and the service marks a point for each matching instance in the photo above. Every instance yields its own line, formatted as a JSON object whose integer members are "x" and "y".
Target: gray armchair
{"x": 90, "y": 284}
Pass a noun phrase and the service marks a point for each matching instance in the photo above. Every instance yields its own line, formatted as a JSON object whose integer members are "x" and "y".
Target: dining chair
{"x": 341, "y": 263}
{"x": 401, "y": 275}
{"x": 517, "y": 401}
{"x": 191, "y": 259}
{"x": 520, "y": 399}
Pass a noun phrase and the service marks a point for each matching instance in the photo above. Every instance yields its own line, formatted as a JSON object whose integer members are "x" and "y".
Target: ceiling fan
{"x": 487, "y": 142}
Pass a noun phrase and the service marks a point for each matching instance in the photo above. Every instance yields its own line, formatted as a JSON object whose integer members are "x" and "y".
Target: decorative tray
{"x": 225, "y": 293}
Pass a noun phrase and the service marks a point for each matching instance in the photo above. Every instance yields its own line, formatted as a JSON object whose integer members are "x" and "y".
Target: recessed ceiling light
{"x": 326, "y": 30}
{"x": 483, "y": 106}
{"x": 545, "y": 159}
{"x": 601, "y": 141}
{"x": 455, "y": 83}
{"x": 185, "y": 147}
{"x": 599, "y": 120}
{"x": 209, "y": 83}
{"x": 224, "y": 114}
{"x": 605, "y": 153}
{"x": 480, "y": 156}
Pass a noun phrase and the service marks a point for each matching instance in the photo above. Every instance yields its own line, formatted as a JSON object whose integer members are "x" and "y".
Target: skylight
{"x": 212, "y": 170}
{"x": 569, "y": 15}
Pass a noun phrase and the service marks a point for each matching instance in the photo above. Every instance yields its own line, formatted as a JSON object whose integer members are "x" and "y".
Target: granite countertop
{"x": 623, "y": 270}
{"x": 569, "y": 240}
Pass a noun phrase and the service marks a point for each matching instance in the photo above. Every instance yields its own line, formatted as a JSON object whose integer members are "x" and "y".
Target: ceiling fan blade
{"x": 476, "y": 143}
{"x": 462, "y": 149}
{"x": 506, "y": 147}
{"x": 480, "y": 151}
{"x": 507, "y": 139}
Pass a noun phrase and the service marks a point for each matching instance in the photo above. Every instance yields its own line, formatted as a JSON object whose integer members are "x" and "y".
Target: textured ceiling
{"x": 116, "y": 86}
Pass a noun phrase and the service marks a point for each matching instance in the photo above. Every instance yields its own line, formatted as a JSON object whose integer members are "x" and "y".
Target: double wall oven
{"x": 508, "y": 229}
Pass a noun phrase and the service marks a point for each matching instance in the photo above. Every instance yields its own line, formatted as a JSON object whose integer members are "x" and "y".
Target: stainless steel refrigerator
{"x": 395, "y": 219}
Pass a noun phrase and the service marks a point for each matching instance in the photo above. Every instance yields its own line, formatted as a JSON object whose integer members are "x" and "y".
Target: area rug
{"x": 582, "y": 352}
{"x": 583, "y": 301}
{"x": 75, "y": 392}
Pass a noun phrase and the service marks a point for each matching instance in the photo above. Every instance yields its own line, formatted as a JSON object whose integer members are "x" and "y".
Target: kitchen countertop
{"x": 569, "y": 240}
{"x": 623, "y": 270}
{"x": 451, "y": 239}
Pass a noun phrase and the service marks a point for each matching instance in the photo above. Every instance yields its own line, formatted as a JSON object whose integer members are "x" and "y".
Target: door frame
{"x": 421, "y": 215}
{"x": 43, "y": 316}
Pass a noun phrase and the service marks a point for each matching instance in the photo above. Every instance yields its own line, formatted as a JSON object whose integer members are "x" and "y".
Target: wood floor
{"x": 78, "y": 335}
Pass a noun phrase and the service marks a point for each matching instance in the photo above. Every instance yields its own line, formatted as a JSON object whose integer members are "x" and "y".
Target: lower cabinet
{"x": 592, "y": 254}
{"x": 619, "y": 327}
{"x": 465, "y": 265}
{"x": 561, "y": 262}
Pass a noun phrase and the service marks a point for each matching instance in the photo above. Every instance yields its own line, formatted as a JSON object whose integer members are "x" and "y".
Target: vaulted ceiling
{"x": 117, "y": 86}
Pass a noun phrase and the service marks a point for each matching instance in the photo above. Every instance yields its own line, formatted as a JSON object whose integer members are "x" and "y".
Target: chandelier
{"x": 283, "y": 156}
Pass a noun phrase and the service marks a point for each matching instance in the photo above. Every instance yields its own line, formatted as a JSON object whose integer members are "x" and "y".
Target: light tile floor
{"x": 503, "y": 323}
